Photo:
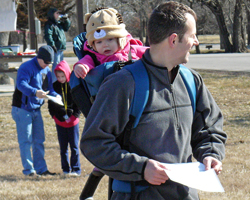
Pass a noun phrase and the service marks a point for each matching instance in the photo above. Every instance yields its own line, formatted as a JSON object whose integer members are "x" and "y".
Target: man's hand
{"x": 41, "y": 94}
{"x": 211, "y": 162}
{"x": 80, "y": 71}
{"x": 154, "y": 172}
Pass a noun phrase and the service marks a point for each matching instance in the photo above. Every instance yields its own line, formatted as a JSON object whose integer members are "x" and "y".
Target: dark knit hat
{"x": 46, "y": 53}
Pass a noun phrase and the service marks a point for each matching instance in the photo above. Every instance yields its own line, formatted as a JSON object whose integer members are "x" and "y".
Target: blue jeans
{"x": 30, "y": 133}
{"x": 69, "y": 136}
{"x": 58, "y": 57}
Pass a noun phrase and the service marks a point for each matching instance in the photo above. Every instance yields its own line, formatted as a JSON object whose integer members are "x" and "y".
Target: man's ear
{"x": 172, "y": 39}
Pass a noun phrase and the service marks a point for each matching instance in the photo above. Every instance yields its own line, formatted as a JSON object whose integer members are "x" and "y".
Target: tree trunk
{"x": 4, "y": 39}
{"x": 215, "y": 7}
{"x": 248, "y": 26}
{"x": 141, "y": 26}
{"x": 24, "y": 39}
{"x": 197, "y": 48}
{"x": 239, "y": 44}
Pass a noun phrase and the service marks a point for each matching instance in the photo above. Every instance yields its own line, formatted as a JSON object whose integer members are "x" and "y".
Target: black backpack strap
{"x": 133, "y": 192}
{"x": 80, "y": 94}
{"x": 93, "y": 56}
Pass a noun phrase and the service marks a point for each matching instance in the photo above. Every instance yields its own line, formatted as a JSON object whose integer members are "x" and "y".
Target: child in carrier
{"x": 107, "y": 40}
{"x": 67, "y": 121}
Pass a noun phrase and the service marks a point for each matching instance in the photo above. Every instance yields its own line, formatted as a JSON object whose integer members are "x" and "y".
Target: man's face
{"x": 188, "y": 41}
{"x": 44, "y": 64}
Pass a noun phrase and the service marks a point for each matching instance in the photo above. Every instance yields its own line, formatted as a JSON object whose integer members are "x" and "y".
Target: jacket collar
{"x": 158, "y": 71}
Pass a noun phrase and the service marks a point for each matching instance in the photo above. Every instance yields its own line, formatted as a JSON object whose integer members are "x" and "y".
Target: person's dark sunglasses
{"x": 47, "y": 62}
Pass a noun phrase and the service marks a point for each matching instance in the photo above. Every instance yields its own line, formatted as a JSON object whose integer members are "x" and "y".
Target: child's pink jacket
{"x": 137, "y": 50}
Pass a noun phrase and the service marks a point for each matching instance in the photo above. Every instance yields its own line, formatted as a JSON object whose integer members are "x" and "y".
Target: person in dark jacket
{"x": 33, "y": 83}
{"x": 169, "y": 131}
{"x": 67, "y": 121}
{"x": 54, "y": 34}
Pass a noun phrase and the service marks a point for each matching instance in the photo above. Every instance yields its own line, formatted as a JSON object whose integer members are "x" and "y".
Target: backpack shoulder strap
{"x": 138, "y": 104}
{"x": 140, "y": 99}
{"x": 188, "y": 79}
{"x": 141, "y": 94}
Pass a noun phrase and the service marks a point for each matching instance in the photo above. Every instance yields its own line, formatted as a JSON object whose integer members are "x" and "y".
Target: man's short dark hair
{"x": 166, "y": 19}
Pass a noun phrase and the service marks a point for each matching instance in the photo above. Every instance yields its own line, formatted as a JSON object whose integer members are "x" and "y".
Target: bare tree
{"x": 141, "y": 10}
{"x": 135, "y": 13}
{"x": 238, "y": 24}
{"x": 247, "y": 5}
{"x": 239, "y": 31}
{"x": 216, "y": 9}
{"x": 41, "y": 8}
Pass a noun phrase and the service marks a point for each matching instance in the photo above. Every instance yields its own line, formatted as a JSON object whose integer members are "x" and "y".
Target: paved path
{"x": 219, "y": 61}
{"x": 6, "y": 90}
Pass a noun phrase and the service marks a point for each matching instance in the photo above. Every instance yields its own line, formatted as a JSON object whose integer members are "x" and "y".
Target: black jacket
{"x": 59, "y": 111}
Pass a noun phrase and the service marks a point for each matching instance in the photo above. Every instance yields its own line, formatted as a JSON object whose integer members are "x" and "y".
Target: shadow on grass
{"x": 9, "y": 149}
{"x": 240, "y": 121}
{"x": 15, "y": 178}
{"x": 236, "y": 143}
{"x": 18, "y": 178}
{"x": 53, "y": 147}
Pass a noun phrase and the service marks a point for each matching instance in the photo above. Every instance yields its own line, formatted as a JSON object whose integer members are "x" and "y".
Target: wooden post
{"x": 79, "y": 6}
{"x": 33, "y": 39}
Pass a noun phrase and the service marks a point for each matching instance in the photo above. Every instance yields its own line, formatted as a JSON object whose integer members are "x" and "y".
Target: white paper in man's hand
{"x": 55, "y": 99}
{"x": 194, "y": 175}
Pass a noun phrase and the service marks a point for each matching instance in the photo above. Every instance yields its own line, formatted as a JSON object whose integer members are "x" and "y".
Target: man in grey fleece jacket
{"x": 168, "y": 131}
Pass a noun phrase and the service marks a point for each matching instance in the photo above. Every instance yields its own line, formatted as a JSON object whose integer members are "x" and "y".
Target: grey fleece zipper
{"x": 174, "y": 108}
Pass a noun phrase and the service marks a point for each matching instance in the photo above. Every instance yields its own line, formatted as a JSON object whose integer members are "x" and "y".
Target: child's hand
{"x": 69, "y": 112}
{"x": 80, "y": 71}
{"x": 59, "y": 97}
